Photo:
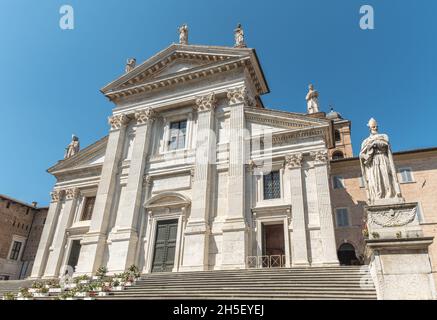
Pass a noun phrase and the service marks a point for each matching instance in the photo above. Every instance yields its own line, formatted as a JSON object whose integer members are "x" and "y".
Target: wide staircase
{"x": 283, "y": 283}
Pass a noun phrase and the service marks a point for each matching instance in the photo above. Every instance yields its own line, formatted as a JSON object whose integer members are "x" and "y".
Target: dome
{"x": 332, "y": 115}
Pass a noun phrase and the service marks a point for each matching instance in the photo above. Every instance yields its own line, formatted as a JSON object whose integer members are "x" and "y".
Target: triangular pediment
{"x": 91, "y": 156}
{"x": 180, "y": 63}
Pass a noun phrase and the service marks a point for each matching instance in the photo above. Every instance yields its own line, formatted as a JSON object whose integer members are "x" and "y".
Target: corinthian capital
{"x": 206, "y": 102}
{"x": 293, "y": 160}
{"x": 118, "y": 121}
{"x": 145, "y": 116}
{"x": 320, "y": 156}
{"x": 71, "y": 193}
{"x": 239, "y": 95}
{"x": 57, "y": 195}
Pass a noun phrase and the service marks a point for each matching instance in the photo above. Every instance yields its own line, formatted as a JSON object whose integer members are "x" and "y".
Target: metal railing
{"x": 274, "y": 261}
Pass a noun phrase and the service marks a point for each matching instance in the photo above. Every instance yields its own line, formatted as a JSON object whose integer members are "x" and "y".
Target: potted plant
{"x": 117, "y": 286}
{"x": 41, "y": 292}
{"x": 36, "y": 285}
{"x": 81, "y": 291}
{"x": 55, "y": 287}
{"x": 101, "y": 273}
{"x": 24, "y": 294}
{"x": 133, "y": 270}
{"x": 91, "y": 296}
{"x": 68, "y": 295}
{"x": 8, "y": 296}
{"x": 83, "y": 279}
{"x": 105, "y": 291}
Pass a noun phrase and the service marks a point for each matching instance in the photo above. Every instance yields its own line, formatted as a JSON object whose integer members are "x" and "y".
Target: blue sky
{"x": 50, "y": 78}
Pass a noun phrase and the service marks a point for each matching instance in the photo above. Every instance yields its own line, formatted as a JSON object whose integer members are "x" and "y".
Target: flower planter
{"x": 81, "y": 294}
{"x": 103, "y": 294}
{"x": 97, "y": 289}
{"x": 70, "y": 285}
{"x": 55, "y": 290}
{"x": 71, "y": 298}
{"x": 129, "y": 283}
{"x": 4, "y": 298}
{"x": 118, "y": 279}
{"x": 40, "y": 294}
{"x": 32, "y": 290}
{"x": 95, "y": 278}
{"x": 22, "y": 298}
{"x": 107, "y": 284}
{"x": 118, "y": 288}
{"x": 84, "y": 281}
{"x": 89, "y": 298}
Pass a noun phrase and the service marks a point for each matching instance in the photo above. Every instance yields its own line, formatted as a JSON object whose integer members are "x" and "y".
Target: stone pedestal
{"x": 393, "y": 221}
{"x": 398, "y": 253}
{"x": 401, "y": 268}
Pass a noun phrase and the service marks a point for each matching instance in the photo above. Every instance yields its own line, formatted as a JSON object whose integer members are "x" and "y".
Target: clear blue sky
{"x": 50, "y": 78}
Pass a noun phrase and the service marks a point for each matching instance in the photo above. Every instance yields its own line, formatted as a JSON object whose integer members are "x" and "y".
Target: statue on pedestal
{"x": 378, "y": 168}
{"x": 130, "y": 64}
{"x": 72, "y": 148}
{"x": 239, "y": 37}
{"x": 183, "y": 34}
{"x": 312, "y": 99}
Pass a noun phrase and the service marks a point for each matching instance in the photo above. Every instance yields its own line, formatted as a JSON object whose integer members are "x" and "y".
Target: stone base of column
{"x": 235, "y": 242}
{"x": 91, "y": 254}
{"x": 196, "y": 245}
{"x": 122, "y": 247}
{"x": 401, "y": 268}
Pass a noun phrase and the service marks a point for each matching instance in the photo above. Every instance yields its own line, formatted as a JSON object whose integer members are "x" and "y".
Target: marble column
{"x": 124, "y": 236}
{"x": 197, "y": 232}
{"x": 300, "y": 248}
{"x": 94, "y": 242}
{"x": 327, "y": 231}
{"x": 235, "y": 229}
{"x": 46, "y": 239}
{"x": 57, "y": 248}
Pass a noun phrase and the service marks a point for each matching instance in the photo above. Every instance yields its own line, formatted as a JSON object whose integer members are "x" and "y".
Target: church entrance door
{"x": 273, "y": 245}
{"x": 165, "y": 246}
{"x": 74, "y": 254}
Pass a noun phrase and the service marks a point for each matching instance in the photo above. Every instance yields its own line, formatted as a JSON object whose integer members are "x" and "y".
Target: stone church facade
{"x": 197, "y": 174}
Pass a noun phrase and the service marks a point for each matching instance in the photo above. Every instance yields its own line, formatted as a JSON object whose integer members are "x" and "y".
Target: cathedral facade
{"x": 197, "y": 174}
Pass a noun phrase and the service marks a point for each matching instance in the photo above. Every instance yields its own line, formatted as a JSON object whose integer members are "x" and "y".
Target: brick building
{"x": 21, "y": 225}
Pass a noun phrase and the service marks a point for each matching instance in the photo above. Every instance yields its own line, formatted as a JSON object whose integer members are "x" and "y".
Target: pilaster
{"x": 46, "y": 239}
{"x": 325, "y": 209}
{"x": 197, "y": 230}
{"x": 124, "y": 237}
{"x": 300, "y": 248}
{"x": 93, "y": 243}
{"x": 57, "y": 248}
{"x": 235, "y": 229}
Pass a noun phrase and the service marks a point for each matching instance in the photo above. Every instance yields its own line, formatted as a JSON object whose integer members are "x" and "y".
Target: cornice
{"x": 75, "y": 160}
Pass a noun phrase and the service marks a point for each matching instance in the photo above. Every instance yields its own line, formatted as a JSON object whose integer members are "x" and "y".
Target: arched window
{"x": 346, "y": 255}
{"x": 337, "y": 136}
{"x": 337, "y": 155}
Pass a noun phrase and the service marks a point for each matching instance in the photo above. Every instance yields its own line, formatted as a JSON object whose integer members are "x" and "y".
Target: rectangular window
{"x": 178, "y": 130}
{"x": 87, "y": 212}
{"x": 15, "y": 252}
{"x": 338, "y": 182}
{"x": 406, "y": 175}
{"x": 342, "y": 217}
{"x": 272, "y": 185}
